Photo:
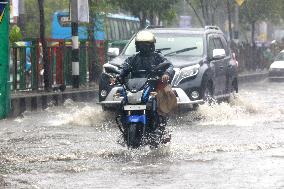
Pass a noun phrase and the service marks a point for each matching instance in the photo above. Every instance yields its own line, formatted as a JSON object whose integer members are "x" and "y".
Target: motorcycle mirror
{"x": 113, "y": 52}
{"x": 111, "y": 69}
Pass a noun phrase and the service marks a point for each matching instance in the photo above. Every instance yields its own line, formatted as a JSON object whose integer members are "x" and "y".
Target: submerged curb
{"x": 245, "y": 78}
{"x": 40, "y": 101}
{"x": 22, "y": 102}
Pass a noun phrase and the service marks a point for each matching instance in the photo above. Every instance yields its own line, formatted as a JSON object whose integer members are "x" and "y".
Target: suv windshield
{"x": 174, "y": 42}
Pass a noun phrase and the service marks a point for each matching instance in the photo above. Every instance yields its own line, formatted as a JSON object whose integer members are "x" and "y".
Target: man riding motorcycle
{"x": 146, "y": 60}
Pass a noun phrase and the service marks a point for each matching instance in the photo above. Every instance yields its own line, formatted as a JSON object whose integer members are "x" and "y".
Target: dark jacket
{"x": 139, "y": 62}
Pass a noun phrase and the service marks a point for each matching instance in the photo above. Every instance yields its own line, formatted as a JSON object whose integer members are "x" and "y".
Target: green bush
{"x": 15, "y": 34}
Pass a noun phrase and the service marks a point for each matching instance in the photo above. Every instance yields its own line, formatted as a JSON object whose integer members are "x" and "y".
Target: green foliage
{"x": 169, "y": 16}
{"x": 148, "y": 9}
{"x": 15, "y": 34}
{"x": 205, "y": 10}
{"x": 253, "y": 11}
{"x": 101, "y": 6}
{"x": 98, "y": 10}
{"x": 32, "y": 15}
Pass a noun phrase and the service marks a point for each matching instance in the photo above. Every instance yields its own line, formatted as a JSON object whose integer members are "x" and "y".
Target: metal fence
{"x": 26, "y": 65}
{"x": 253, "y": 58}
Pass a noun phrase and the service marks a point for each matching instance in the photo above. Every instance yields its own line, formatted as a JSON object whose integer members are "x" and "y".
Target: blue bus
{"x": 112, "y": 27}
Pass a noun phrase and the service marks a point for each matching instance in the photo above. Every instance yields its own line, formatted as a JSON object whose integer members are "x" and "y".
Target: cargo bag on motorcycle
{"x": 166, "y": 99}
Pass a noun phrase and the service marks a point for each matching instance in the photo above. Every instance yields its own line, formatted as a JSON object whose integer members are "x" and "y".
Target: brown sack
{"x": 166, "y": 99}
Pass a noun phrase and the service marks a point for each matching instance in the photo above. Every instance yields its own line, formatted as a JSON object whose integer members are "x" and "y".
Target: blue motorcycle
{"x": 138, "y": 120}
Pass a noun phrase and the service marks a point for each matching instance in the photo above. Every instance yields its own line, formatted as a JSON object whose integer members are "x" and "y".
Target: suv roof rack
{"x": 153, "y": 27}
{"x": 212, "y": 28}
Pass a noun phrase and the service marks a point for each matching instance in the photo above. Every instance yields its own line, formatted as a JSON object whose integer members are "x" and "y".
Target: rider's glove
{"x": 165, "y": 78}
{"x": 119, "y": 79}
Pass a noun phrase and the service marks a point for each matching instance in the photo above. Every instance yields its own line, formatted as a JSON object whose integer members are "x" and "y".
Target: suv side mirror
{"x": 219, "y": 54}
{"x": 113, "y": 52}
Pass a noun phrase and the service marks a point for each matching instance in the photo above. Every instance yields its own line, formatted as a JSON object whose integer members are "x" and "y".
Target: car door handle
{"x": 221, "y": 67}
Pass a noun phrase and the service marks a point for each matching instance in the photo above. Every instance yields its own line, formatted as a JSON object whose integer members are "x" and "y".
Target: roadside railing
{"x": 26, "y": 64}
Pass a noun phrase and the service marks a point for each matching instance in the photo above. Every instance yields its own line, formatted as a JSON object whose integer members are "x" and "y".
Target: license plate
{"x": 134, "y": 107}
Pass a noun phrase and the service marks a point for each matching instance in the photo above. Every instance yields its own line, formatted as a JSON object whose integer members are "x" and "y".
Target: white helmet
{"x": 145, "y": 36}
{"x": 145, "y": 42}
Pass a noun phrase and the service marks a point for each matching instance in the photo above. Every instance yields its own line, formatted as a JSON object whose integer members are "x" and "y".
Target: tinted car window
{"x": 280, "y": 57}
{"x": 218, "y": 43}
{"x": 211, "y": 47}
{"x": 174, "y": 42}
{"x": 225, "y": 45}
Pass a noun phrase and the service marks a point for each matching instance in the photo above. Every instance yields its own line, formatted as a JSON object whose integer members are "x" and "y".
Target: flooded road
{"x": 229, "y": 145}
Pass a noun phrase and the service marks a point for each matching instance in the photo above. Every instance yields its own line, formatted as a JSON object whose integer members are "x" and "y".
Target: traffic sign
{"x": 2, "y": 10}
{"x": 240, "y": 2}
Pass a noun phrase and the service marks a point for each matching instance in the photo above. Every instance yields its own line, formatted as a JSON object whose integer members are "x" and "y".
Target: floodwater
{"x": 229, "y": 145}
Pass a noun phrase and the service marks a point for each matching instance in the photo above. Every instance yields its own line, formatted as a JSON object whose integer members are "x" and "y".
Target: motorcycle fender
{"x": 137, "y": 119}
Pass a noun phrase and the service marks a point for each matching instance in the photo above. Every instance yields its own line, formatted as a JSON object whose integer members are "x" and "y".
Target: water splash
{"x": 80, "y": 114}
{"x": 240, "y": 111}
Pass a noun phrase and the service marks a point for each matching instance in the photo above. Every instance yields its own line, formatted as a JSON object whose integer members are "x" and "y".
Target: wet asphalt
{"x": 239, "y": 144}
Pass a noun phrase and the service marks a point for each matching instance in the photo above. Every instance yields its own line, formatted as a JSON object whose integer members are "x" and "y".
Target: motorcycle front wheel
{"x": 134, "y": 135}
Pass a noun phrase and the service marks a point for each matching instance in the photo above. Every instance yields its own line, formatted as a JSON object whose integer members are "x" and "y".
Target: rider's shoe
{"x": 161, "y": 135}
{"x": 166, "y": 138}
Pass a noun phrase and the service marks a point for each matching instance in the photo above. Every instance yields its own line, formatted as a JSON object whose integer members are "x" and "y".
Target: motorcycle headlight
{"x": 187, "y": 72}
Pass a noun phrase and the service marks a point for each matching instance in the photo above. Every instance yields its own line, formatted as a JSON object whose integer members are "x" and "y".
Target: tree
{"x": 32, "y": 15}
{"x": 230, "y": 7}
{"x": 253, "y": 11}
{"x": 207, "y": 8}
{"x": 148, "y": 9}
{"x": 98, "y": 11}
{"x": 15, "y": 34}
{"x": 44, "y": 45}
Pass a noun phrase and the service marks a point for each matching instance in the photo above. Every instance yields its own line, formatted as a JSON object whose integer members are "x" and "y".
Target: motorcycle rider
{"x": 146, "y": 59}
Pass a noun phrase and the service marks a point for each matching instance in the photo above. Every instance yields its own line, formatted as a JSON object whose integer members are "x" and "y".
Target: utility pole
{"x": 75, "y": 43}
{"x": 4, "y": 59}
{"x": 21, "y": 18}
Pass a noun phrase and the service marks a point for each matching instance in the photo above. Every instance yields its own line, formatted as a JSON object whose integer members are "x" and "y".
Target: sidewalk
{"x": 252, "y": 76}
{"x": 22, "y": 101}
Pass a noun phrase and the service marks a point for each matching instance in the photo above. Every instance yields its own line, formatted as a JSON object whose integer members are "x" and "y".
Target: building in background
{"x": 185, "y": 22}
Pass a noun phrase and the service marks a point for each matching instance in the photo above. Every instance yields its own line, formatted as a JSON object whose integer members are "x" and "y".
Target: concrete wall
{"x": 34, "y": 102}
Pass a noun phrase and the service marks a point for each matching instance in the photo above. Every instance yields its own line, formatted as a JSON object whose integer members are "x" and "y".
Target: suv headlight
{"x": 187, "y": 72}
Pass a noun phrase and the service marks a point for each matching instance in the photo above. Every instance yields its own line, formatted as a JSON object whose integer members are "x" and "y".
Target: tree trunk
{"x": 21, "y": 18}
{"x": 44, "y": 46}
{"x": 205, "y": 13}
{"x": 152, "y": 19}
{"x": 253, "y": 33}
{"x": 142, "y": 21}
{"x": 94, "y": 64}
{"x": 253, "y": 54}
{"x": 196, "y": 14}
{"x": 230, "y": 20}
